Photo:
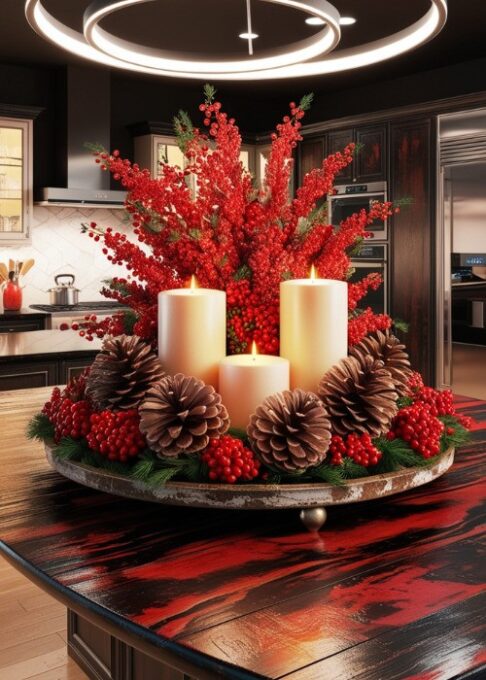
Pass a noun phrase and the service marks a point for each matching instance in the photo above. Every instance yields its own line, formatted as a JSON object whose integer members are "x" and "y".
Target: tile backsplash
{"x": 59, "y": 247}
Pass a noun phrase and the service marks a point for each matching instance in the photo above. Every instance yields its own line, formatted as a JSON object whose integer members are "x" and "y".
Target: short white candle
{"x": 313, "y": 327}
{"x": 245, "y": 380}
{"x": 192, "y": 331}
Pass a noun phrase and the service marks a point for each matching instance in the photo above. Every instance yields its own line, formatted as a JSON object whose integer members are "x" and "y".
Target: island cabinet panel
{"x": 104, "y": 657}
{"x": 71, "y": 368}
{"x": 413, "y": 236}
{"x": 22, "y": 375}
{"x": 13, "y": 325}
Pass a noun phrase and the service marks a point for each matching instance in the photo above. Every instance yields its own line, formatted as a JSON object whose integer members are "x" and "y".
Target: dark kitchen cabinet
{"x": 337, "y": 140}
{"x": 412, "y": 153}
{"x": 23, "y": 375}
{"x": 17, "y": 322}
{"x": 371, "y": 160}
{"x": 311, "y": 154}
{"x": 370, "y": 163}
{"x": 70, "y": 368}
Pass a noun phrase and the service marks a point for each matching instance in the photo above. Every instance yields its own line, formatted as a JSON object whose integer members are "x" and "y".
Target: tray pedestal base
{"x": 313, "y": 518}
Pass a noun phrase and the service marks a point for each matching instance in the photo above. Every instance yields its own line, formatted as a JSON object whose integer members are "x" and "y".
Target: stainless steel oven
{"x": 351, "y": 198}
{"x": 372, "y": 258}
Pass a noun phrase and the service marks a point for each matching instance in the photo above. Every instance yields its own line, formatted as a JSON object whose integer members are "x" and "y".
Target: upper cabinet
{"x": 151, "y": 150}
{"x": 15, "y": 180}
{"x": 370, "y": 163}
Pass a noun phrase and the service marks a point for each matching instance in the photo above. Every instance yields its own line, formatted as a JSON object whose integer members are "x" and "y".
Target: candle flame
{"x": 193, "y": 284}
{"x": 254, "y": 350}
{"x": 313, "y": 275}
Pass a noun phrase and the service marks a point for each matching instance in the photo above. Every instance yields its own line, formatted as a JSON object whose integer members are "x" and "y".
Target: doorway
{"x": 461, "y": 254}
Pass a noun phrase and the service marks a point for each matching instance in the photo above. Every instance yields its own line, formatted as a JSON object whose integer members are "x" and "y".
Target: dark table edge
{"x": 198, "y": 664}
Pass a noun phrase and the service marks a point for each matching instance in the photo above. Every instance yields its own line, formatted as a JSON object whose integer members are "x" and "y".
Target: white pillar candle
{"x": 192, "y": 331}
{"x": 245, "y": 380}
{"x": 313, "y": 328}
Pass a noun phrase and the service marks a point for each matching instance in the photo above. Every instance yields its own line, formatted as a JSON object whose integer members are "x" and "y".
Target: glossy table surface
{"x": 390, "y": 589}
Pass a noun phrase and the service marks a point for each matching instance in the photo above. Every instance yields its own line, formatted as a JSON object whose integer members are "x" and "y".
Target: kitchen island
{"x": 390, "y": 589}
{"x": 42, "y": 358}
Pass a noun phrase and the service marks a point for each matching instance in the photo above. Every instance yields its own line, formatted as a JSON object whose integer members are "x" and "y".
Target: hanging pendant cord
{"x": 250, "y": 32}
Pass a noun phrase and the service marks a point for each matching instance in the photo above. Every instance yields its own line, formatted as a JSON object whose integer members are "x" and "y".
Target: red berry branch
{"x": 230, "y": 233}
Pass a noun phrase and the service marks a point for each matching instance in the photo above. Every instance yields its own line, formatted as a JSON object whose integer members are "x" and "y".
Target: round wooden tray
{"x": 312, "y": 499}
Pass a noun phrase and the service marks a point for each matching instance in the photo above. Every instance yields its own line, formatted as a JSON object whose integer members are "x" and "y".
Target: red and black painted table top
{"x": 390, "y": 589}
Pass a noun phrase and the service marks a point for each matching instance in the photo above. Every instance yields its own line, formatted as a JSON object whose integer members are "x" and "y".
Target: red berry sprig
{"x": 440, "y": 402}
{"x": 230, "y": 461}
{"x": 72, "y": 419}
{"x": 116, "y": 434}
{"x": 415, "y": 383}
{"x": 418, "y": 426}
{"x": 359, "y": 448}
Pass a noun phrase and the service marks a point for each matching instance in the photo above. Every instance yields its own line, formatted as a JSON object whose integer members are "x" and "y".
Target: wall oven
{"x": 351, "y": 198}
{"x": 372, "y": 258}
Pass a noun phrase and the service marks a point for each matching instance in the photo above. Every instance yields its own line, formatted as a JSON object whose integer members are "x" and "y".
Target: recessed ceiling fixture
{"x": 347, "y": 21}
{"x": 316, "y": 21}
{"x": 247, "y": 36}
{"x": 302, "y": 58}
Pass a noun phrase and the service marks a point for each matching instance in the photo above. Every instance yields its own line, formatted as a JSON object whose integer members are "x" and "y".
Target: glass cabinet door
{"x": 15, "y": 180}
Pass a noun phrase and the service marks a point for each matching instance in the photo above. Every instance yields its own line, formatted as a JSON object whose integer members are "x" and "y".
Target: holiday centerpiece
{"x": 246, "y": 373}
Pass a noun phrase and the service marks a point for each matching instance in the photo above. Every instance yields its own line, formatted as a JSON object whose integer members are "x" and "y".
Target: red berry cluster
{"x": 466, "y": 421}
{"x": 52, "y": 406}
{"x": 440, "y": 402}
{"x": 358, "y": 447}
{"x": 116, "y": 434}
{"x": 72, "y": 419}
{"x": 229, "y": 460}
{"x": 418, "y": 426}
{"x": 415, "y": 383}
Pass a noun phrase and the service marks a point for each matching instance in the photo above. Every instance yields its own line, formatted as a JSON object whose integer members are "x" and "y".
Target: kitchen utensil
{"x": 11, "y": 265}
{"x": 64, "y": 293}
{"x": 4, "y": 270}
{"x": 26, "y": 266}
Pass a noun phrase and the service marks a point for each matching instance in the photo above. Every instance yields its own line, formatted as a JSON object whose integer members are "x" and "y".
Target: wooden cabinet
{"x": 15, "y": 180}
{"x": 17, "y": 373}
{"x": 22, "y": 375}
{"x": 413, "y": 239}
{"x": 370, "y": 164}
{"x": 104, "y": 657}
{"x": 15, "y": 324}
{"x": 337, "y": 140}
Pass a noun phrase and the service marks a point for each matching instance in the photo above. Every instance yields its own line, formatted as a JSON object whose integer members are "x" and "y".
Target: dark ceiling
{"x": 213, "y": 25}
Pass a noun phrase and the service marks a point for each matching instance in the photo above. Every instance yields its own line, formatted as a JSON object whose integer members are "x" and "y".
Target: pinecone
{"x": 359, "y": 395}
{"x": 290, "y": 431}
{"x": 122, "y": 373}
{"x": 387, "y": 348}
{"x": 180, "y": 414}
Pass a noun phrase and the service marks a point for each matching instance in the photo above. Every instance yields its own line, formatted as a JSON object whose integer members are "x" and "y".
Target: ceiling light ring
{"x": 57, "y": 33}
{"x": 317, "y": 45}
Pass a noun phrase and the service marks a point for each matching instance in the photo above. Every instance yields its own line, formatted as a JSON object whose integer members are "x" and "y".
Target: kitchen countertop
{"x": 391, "y": 588}
{"x": 44, "y": 343}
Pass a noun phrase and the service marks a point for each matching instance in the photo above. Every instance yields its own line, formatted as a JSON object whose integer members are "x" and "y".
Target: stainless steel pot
{"x": 64, "y": 293}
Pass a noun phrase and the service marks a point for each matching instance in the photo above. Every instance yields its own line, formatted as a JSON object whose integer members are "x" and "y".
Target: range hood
{"x": 88, "y": 120}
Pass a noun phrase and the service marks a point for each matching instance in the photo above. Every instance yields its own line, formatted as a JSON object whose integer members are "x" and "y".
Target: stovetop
{"x": 100, "y": 305}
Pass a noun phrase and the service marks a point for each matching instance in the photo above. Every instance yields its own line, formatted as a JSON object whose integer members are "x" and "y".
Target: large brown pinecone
{"x": 122, "y": 373}
{"x": 290, "y": 431}
{"x": 180, "y": 414}
{"x": 359, "y": 395}
{"x": 387, "y": 348}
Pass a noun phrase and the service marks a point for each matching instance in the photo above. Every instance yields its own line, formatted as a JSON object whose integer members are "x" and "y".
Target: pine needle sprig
{"x": 183, "y": 129}
{"x": 209, "y": 92}
{"x": 306, "y": 101}
{"x": 71, "y": 449}
{"x": 457, "y": 438}
{"x": 329, "y": 474}
{"x": 40, "y": 428}
{"x": 352, "y": 470}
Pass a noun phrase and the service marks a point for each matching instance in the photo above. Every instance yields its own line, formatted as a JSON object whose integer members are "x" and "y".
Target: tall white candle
{"x": 245, "y": 380}
{"x": 313, "y": 328}
{"x": 192, "y": 331}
